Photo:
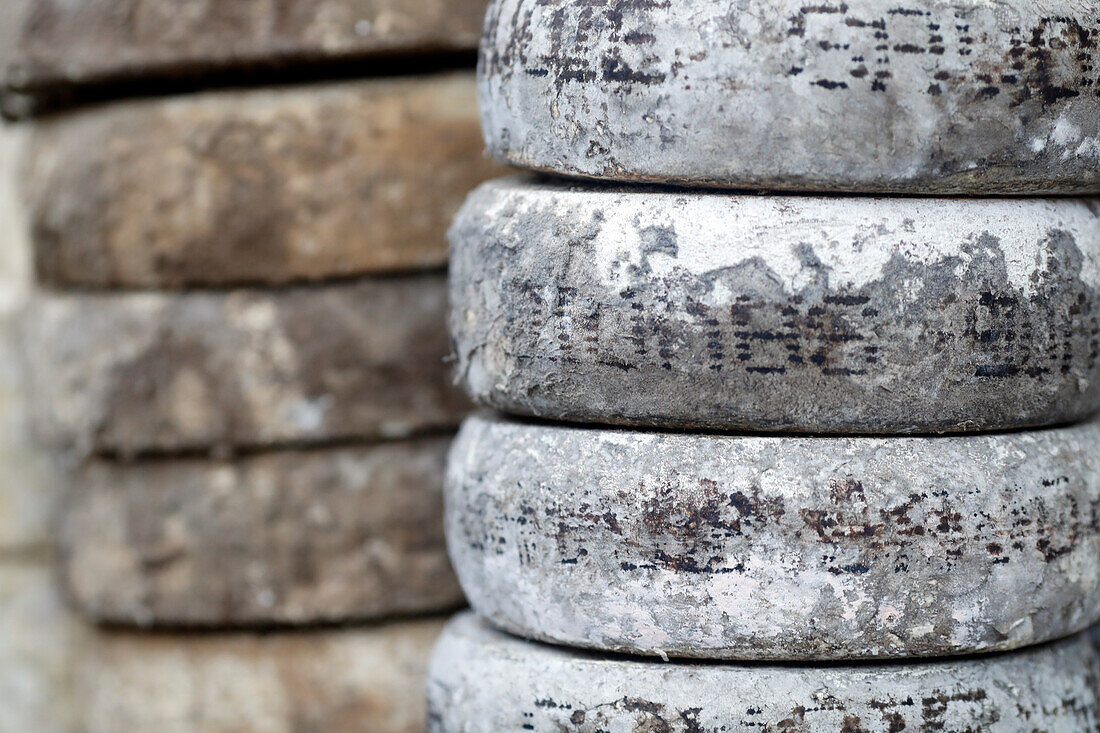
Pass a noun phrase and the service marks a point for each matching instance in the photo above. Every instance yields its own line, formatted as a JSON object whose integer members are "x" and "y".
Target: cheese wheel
{"x": 927, "y": 96}
{"x": 792, "y": 548}
{"x": 483, "y": 681}
{"x": 808, "y": 314}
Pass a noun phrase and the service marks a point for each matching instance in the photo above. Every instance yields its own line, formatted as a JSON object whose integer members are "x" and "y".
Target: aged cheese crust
{"x": 924, "y": 96}
{"x": 483, "y": 681}
{"x": 808, "y": 314}
{"x": 783, "y": 548}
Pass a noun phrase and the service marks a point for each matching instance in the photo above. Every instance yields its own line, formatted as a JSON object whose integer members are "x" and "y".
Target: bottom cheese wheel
{"x": 484, "y": 681}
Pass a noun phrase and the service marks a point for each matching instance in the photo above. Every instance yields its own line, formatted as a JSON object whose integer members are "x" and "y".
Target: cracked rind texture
{"x": 924, "y": 96}
{"x": 272, "y": 186}
{"x": 340, "y": 681}
{"x": 781, "y": 548}
{"x": 483, "y": 681}
{"x": 806, "y": 314}
{"x": 293, "y": 537}
{"x": 64, "y": 43}
{"x": 154, "y": 372}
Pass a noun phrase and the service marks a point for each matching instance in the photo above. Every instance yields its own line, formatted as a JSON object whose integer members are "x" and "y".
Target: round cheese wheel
{"x": 807, "y": 314}
{"x": 756, "y": 547}
{"x": 931, "y": 96}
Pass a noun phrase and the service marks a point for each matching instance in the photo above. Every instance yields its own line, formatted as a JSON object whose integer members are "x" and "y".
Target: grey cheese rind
{"x": 286, "y": 537}
{"x": 806, "y": 314}
{"x": 780, "y": 548}
{"x": 483, "y": 681}
{"x": 925, "y": 96}
{"x": 154, "y": 372}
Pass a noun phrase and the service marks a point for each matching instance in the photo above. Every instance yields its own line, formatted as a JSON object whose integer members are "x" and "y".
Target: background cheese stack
{"x": 846, "y": 438}
{"x": 237, "y": 348}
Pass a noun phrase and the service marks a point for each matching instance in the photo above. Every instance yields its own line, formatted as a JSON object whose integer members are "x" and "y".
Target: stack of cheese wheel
{"x": 795, "y": 388}
{"x": 237, "y": 348}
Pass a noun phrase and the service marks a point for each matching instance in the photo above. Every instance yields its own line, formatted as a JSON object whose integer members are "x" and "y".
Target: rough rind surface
{"x": 62, "y": 43}
{"x": 282, "y": 538}
{"x": 297, "y": 183}
{"x": 925, "y": 96}
{"x": 807, "y": 314}
{"x": 338, "y": 681}
{"x": 749, "y": 547}
{"x": 145, "y": 372}
{"x": 482, "y": 681}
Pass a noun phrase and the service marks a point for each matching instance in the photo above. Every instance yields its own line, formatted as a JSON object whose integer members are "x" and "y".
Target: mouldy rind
{"x": 804, "y": 314}
{"x": 780, "y": 548}
{"x": 926, "y": 96}
{"x": 483, "y": 681}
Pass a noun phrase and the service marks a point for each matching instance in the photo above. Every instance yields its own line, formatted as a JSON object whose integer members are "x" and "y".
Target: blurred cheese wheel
{"x": 56, "y": 49}
{"x": 254, "y": 186}
{"x": 281, "y": 537}
{"x": 339, "y": 680}
{"x": 154, "y": 372}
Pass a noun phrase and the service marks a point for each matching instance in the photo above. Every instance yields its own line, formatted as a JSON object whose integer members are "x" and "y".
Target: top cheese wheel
{"x": 925, "y": 96}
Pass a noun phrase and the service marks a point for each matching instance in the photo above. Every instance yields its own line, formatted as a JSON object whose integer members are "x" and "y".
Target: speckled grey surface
{"x": 720, "y": 546}
{"x": 921, "y": 96}
{"x": 809, "y": 314}
{"x": 144, "y": 372}
{"x": 482, "y": 681}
